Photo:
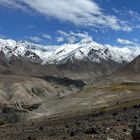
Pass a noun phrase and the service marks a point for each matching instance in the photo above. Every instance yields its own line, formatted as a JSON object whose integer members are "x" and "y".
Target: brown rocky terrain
{"x": 55, "y": 107}
{"x": 114, "y": 125}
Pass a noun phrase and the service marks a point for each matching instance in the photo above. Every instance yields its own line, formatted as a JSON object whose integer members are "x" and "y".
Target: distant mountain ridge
{"x": 86, "y": 49}
{"x": 86, "y": 57}
{"x": 132, "y": 68}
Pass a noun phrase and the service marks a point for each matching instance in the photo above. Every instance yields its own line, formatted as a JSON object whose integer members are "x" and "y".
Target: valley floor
{"x": 115, "y": 125}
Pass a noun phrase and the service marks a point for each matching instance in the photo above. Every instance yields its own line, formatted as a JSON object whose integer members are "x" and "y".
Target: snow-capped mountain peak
{"x": 21, "y": 48}
{"x": 85, "y": 50}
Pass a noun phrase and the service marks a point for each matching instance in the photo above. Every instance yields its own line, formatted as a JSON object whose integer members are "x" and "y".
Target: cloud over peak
{"x": 72, "y": 37}
{"x": 126, "y": 42}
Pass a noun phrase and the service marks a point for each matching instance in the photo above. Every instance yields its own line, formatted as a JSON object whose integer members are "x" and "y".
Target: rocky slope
{"x": 115, "y": 125}
{"x": 23, "y": 97}
{"x": 133, "y": 67}
{"x": 36, "y": 88}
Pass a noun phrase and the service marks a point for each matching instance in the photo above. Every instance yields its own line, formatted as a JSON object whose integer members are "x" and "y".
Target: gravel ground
{"x": 116, "y": 125}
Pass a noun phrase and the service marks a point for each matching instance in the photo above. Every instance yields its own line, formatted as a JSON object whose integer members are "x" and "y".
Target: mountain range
{"x": 86, "y": 49}
{"x": 72, "y": 80}
{"x": 84, "y": 59}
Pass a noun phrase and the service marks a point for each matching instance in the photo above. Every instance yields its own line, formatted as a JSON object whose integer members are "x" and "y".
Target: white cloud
{"x": 61, "y": 36}
{"x": 39, "y": 38}
{"x": 35, "y": 39}
{"x": 79, "y": 12}
{"x": 73, "y": 37}
{"x": 46, "y": 36}
{"x": 127, "y": 28}
{"x": 15, "y": 4}
{"x": 80, "y": 35}
{"x": 67, "y": 36}
{"x": 115, "y": 10}
{"x": 32, "y": 27}
{"x": 63, "y": 33}
{"x": 125, "y": 42}
{"x": 132, "y": 16}
{"x": 60, "y": 39}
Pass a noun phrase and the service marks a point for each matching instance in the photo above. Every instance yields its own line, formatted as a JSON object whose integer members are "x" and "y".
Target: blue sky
{"x": 115, "y": 22}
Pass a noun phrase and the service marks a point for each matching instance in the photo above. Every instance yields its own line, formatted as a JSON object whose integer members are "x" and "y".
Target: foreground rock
{"x": 136, "y": 131}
